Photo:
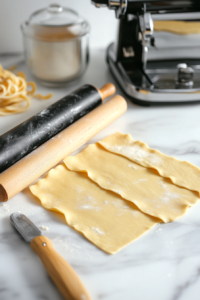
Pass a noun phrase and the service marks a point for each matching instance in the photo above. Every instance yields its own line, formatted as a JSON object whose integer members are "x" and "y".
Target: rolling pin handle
{"x": 107, "y": 90}
{"x": 3, "y": 194}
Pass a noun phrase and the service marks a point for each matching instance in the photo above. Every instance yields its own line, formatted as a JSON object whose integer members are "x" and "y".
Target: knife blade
{"x": 64, "y": 277}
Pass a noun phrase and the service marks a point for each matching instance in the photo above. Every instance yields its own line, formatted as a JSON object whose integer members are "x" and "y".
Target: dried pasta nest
{"x": 14, "y": 95}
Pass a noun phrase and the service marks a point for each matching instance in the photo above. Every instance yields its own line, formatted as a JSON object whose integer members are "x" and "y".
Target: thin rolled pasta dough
{"x": 151, "y": 193}
{"x": 181, "y": 173}
{"x": 102, "y": 216}
{"x": 177, "y": 27}
{"x": 118, "y": 189}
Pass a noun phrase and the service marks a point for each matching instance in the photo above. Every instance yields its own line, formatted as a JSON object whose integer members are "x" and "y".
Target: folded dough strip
{"x": 181, "y": 173}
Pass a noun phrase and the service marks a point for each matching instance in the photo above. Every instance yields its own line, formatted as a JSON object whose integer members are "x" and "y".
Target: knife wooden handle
{"x": 59, "y": 270}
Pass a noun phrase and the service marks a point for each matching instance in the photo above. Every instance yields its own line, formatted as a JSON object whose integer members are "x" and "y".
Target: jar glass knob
{"x": 55, "y": 8}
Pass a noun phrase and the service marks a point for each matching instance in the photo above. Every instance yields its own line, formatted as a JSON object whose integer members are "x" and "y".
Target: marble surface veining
{"x": 162, "y": 264}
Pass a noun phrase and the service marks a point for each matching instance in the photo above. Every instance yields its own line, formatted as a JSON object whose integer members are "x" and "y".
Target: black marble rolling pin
{"x": 32, "y": 166}
{"x": 29, "y": 135}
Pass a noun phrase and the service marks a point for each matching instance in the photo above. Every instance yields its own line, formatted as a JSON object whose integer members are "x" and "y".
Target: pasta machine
{"x": 156, "y": 57}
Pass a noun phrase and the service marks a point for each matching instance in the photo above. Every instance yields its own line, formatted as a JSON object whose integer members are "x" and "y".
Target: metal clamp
{"x": 146, "y": 26}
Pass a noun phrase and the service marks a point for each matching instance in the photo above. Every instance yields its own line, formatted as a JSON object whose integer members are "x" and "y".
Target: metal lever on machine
{"x": 146, "y": 27}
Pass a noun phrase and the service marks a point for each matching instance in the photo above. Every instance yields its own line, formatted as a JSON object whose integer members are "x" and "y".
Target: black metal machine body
{"x": 156, "y": 58}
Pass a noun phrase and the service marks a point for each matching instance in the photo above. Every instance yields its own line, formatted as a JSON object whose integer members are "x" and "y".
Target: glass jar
{"x": 56, "y": 44}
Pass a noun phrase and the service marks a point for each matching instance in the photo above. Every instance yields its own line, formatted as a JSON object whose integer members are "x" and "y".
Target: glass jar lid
{"x": 55, "y": 23}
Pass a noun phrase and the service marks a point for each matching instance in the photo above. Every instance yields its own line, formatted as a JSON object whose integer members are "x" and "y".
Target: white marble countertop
{"x": 162, "y": 264}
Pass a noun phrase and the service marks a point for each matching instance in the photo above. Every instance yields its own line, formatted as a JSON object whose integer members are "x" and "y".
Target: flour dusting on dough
{"x": 134, "y": 152}
{"x": 87, "y": 203}
{"x": 135, "y": 213}
{"x": 97, "y": 230}
{"x": 132, "y": 166}
{"x": 115, "y": 188}
{"x": 167, "y": 196}
{"x": 79, "y": 189}
{"x": 87, "y": 206}
{"x": 122, "y": 209}
{"x": 117, "y": 191}
{"x": 48, "y": 195}
{"x": 162, "y": 184}
{"x": 139, "y": 180}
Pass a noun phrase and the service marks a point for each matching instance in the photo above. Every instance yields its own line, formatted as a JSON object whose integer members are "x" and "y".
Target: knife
{"x": 59, "y": 270}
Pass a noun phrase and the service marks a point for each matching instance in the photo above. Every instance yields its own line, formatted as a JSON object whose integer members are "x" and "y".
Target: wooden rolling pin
{"x": 31, "y": 167}
{"x": 29, "y": 135}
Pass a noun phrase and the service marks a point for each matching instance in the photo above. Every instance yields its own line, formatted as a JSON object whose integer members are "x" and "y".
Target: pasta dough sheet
{"x": 101, "y": 216}
{"x": 177, "y": 27}
{"x": 117, "y": 189}
{"x": 151, "y": 193}
{"x": 181, "y": 173}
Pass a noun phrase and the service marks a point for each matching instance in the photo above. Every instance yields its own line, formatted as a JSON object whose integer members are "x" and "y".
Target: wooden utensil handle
{"x": 35, "y": 164}
{"x": 64, "y": 277}
{"x": 107, "y": 90}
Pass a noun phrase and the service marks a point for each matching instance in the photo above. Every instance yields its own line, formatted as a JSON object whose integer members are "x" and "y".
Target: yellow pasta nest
{"x": 14, "y": 95}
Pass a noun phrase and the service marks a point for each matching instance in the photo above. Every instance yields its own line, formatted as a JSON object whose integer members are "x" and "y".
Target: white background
{"x": 14, "y": 12}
